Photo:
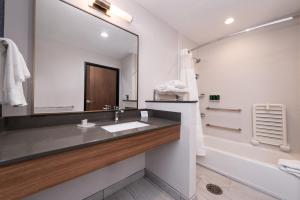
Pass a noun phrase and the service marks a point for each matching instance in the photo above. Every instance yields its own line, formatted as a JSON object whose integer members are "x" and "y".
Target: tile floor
{"x": 232, "y": 190}
{"x": 144, "y": 189}
{"x": 140, "y": 190}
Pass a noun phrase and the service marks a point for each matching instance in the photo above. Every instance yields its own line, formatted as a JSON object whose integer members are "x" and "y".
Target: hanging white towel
{"x": 290, "y": 166}
{"x": 15, "y": 73}
{"x": 187, "y": 75}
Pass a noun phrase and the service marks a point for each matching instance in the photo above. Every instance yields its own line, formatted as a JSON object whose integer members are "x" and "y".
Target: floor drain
{"x": 214, "y": 189}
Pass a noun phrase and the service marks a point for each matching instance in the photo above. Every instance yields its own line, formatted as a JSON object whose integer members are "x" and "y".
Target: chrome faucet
{"x": 117, "y": 111}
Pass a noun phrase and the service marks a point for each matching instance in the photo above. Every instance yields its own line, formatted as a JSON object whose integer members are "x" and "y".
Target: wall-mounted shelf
{"x": 224, "y": 109}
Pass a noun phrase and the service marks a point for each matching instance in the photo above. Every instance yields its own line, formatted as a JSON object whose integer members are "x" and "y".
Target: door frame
{"x": 86, "y": 65}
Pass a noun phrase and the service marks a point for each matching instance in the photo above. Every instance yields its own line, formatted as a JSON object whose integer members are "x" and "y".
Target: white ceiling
{"x": 57, "y": 21}
{"x": 203, "y": 20}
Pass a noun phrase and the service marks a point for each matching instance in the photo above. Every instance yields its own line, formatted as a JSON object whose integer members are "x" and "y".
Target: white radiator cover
{"x": 269, "y": 125}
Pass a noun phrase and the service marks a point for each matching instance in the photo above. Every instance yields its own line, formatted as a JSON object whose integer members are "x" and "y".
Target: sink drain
{"x": 214, "y": 189}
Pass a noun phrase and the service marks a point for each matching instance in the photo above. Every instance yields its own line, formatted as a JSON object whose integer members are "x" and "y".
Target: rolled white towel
{"x": 290, "y": 166}
{"x": 294, "y": 164}
{"x": 171, "y": 85}
{"x": 170, "y": 89}
{"x": 290, "y": 171}
{"x": 177, "y": 84}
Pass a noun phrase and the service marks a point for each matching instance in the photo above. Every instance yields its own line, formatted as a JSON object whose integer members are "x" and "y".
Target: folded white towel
{"x": 15, "y": 73}
{"x": 290, "y": 166}
{"x": 290, "y": 171}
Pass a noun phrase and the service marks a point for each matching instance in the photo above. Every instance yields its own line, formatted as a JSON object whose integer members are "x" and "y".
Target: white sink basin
{"x": 124, "y": 126}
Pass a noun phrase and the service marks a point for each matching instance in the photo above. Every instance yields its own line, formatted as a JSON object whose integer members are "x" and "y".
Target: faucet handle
{"x": 106, "y": 107}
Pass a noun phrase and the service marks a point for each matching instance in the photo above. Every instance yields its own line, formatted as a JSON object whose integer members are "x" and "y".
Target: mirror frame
{"x": 2, "y": 13}
{"x": 94, "y": 111}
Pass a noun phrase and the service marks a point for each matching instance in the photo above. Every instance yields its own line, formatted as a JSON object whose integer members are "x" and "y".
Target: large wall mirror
{"x": 81, "y": 63}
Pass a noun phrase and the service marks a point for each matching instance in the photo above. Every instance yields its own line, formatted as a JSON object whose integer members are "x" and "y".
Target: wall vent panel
{"x": 269, "y": 125}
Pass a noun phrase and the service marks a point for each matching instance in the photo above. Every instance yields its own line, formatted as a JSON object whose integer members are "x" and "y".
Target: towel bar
{"x": 224, "y": 127}
{"x": 59, "y": 107}
{"x": 224, "y": 109}
{"x": 5, "y": 45}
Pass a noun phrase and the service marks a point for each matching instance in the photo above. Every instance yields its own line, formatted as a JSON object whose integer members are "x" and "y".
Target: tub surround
{"x": 67, "y": 151}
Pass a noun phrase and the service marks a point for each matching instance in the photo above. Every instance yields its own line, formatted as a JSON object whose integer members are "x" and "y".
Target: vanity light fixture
{"x": 104, "y": 35}
{"x": 229, "y": 20}
{"x": 109, "y": 9}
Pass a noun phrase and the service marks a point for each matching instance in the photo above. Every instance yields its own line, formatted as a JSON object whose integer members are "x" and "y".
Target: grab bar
{"x": 224, "y": 109}
{"x": 54, "y": 107}
{"x": 224, "y": 127}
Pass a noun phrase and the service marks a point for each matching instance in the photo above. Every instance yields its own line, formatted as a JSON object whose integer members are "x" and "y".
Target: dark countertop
{"x": 26, "y": 144}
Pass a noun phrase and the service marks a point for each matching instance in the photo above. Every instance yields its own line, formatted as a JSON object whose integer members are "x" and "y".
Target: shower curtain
{"x": 188, "y": 76}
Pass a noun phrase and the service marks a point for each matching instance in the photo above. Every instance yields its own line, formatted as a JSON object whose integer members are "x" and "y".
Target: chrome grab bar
{"x": 54, "y": 107}
{"x": 224, "y": 109}
{"x": 224, "y": 127}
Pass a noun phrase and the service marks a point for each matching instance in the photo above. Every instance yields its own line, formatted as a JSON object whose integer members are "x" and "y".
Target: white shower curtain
{"x": 188, "y": 76}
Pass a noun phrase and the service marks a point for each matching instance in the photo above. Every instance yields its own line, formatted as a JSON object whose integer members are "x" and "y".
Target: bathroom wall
{"x": 256, "y": 67}
{"x": 18, "y": 26}
{"x": 158, "y": 62}
{"x": 68, "y": 79}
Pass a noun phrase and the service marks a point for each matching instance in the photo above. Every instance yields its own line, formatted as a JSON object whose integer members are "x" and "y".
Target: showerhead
{"x": 197, "y": 60}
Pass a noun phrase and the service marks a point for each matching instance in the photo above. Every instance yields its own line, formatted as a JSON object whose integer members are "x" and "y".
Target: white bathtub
{"x": 251, "y": 165}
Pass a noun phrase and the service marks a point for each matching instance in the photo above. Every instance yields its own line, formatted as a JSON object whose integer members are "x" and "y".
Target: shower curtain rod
{"x": 247, "y": 30}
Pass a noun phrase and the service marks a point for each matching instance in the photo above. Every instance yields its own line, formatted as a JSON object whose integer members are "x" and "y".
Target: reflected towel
{"x": 15, "y": 73}
{"x": 290, "y": 166}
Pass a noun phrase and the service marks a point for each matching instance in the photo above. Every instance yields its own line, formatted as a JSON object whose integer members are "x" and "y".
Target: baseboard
{"x": 166, "y": 187}
{"x": 102, "y": 194}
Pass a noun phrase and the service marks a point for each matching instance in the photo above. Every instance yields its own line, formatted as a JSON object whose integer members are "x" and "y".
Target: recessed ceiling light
{"x": 104, "y": 35}
{"x": 229, "y": 20}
